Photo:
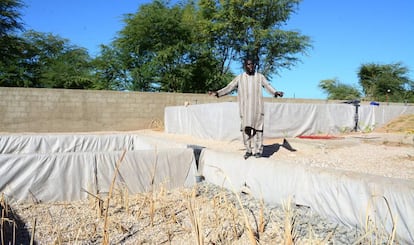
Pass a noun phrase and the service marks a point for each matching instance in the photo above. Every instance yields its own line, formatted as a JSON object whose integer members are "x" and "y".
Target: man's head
{"x": 249, "y": 66}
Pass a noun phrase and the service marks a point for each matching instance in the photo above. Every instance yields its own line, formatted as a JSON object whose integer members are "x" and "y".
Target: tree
{"x": 10, "y": 17}
{"x": 190, "y": 48}
{"x": 239, "y": 29}
{"x": 109, "y": 71}
{"x": 388, "y": 82}
{"x": 160, "y": 50}
{"x": 339, "y": 91}
{"x": 12, "y": 47}
{"x": 34, "y": 59}
{"x": 54, "y": 63}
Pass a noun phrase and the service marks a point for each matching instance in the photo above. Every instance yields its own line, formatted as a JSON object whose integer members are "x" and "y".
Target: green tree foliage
{"x": 34, "y": 59}
{"x": 239, "y": 29}
{"x": 159, "y": 49}
{"x": 109, "y": 72}
{"x": 11, "y": 46}
{"x": 339, "y": 91}
{"x": 186, "y": 47}
{"x": 190, "y": 48}
{"x": 52, "y": 62}
{"x": 13, "y": 65}
{"x": 10, "y": 17}
{"x": 389, "y": 82}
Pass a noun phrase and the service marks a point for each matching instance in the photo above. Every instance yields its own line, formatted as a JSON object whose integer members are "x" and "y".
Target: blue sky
{"x": 344, "y": 34}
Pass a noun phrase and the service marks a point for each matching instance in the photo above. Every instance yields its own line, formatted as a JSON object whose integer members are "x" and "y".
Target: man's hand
{"x": 279, "y": 94}
{"x": 214, "y": 93}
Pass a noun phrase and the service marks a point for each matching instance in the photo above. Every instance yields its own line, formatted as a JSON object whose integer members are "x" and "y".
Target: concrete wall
{"x": 64, "y": 110}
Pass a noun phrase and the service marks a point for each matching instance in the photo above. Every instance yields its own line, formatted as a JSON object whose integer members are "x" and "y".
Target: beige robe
{"x": 250, "y": 98}
{"x": 251, "y": 106}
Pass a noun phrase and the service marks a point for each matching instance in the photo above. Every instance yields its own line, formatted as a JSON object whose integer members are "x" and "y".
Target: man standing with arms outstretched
{"x": 249, "y": 86}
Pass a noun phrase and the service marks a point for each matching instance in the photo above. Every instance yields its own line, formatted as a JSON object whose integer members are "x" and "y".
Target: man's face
{"x": 250, "y": 67}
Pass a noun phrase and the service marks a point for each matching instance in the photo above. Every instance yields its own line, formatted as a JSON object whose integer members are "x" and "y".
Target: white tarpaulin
{"x": 142, "y": 170}
{"x": 221, "y": 121}
{"x": 69, "y": 165}
{"x": 60, "y": 143}
{"x": 346, "y": 197}
{"x": 46, "y": 177}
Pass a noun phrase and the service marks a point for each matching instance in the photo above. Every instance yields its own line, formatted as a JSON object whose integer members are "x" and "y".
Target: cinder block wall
{"x": 65, "y": 110}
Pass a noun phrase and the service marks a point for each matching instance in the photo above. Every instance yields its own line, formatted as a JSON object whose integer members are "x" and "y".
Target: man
{"x": 249, "y": 86}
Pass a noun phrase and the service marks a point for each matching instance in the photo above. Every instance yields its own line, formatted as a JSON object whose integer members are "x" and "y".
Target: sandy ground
{"x": 385, "y": 154}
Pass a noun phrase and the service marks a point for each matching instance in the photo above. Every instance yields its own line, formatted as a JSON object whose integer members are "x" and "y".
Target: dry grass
{"x": 7, "y": 225}
{"x": 375, "y": 231}
{"x": 111, "y": 189}
{"x": 157, "y": 125}
{"x": 181, "y": 216}
{"x": 401, "y": 124}
{"x": 290, "y": 236}
{"x": 195, "y": 218}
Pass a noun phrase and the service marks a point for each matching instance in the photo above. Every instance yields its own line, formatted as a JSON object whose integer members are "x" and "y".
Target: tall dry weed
{"x": 106, "y": 221}
{"x": 375, "y": 231}
{"x": 195, "y": 218}
{"x": 290, "y": 234}
{"x": 262, "y": 222}
{"x": 251, "y": 235}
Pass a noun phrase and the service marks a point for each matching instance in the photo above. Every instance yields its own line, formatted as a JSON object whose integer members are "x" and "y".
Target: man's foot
{"x": 258, "y": 155}
{"x": 247, "y": 155}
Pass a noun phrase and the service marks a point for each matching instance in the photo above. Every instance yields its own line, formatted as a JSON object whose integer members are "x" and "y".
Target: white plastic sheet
{"x": 221, "y": 121}
{"x": 343, "y": 196}
{"x": 61, "y": 143}
{"x": 65, "y": 167}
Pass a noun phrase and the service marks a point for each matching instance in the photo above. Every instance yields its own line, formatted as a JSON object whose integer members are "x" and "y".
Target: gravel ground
{"x": 162, "y": 217}
{"x": 177, "y": 216}
{"x": 384, "y": 154}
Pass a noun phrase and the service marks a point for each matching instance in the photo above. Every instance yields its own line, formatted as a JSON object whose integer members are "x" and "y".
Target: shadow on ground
{"x": 269, "y": 150}
{"x": 14, "y": 229}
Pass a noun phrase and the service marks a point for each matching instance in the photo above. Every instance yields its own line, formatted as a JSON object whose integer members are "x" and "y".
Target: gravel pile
{"x": 176, "y": 217}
